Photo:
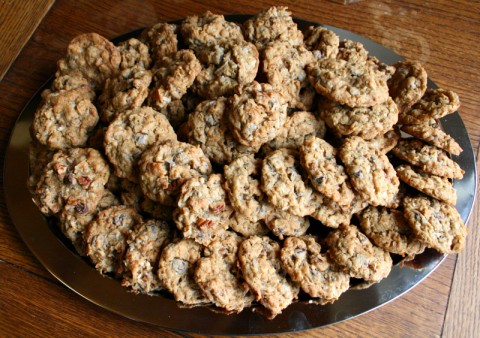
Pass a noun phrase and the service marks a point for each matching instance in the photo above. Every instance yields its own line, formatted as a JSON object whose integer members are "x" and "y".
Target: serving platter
{"x": 75, "y": 272}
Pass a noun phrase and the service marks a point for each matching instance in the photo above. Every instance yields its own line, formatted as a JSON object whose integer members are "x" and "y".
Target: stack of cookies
{"x": 234, "y": 165}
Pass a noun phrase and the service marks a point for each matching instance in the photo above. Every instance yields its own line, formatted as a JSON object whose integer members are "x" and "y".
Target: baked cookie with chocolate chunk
{"x": 259, "y": 260}
{"x": 332, "y": 214}
{"x": 389, "y": 230}
{"x": 134, "y": 53}
{"x": 428, "y": 158}
{"x": 370, "y": 171}
{"x": 307, "y": 266}
{"x": 322, "y": 42}
{"x": 283, "y": 223}
{"x": 435, "y": 136}
{"x": 161, "y": 40}
{"x": 436, "y": 223}
{"x": 435, "y": 186}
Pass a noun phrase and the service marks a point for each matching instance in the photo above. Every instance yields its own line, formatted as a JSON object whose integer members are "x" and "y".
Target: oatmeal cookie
{"x": 176, "y": 114}
{"x": 273, "y": 24}
{"x": 258, "y": 112}
{"x": 349, "y": 50}
{"x": 370, "y": 171}
{"x": 74, "y": 180}
{"x": 434, "y": 104}
{"x": 353, "y": 83}
{"x": 70, "y": 82}
{"x": 128, "y": 90}
{"x": 140, "y": 263}
{"x": 352, "y": 251}
{"x": 284, "y": 185}
{"x": 106, "y": 237}
{"x": 307, "y": 266}
{"x": 259, "y": 259}
{"x": 161, "y": 40}
{"x": 245, "y": 227}
{"x": 176, "y": 270}
{"x": 318, "y": 158}
{"x": 386, "y": 142}
{"x": 407, "y": 85}
{"x": 130, "y": 134}
{"x": 322, "y": 42}
{"x": 332, "y": 214}
{"x": 208, "y": 128}
{"x": 428, "y": 158}
{"x": 225, "y": 69}
{"x": 284, "y": 67}
{"x": 165, "y": 167}
{"x": 296, "y": 129}
{"x": 366, "y": 122}
{"x": 65, "y": 119}
{"x": 283, "y": 224}
{"x": 389, "y": 230}
{"x": 203, "y": 210}
{"x": 172, "y": 76}
{"x": 217, "y": 275}
{"x": 434, "y": 136}
{"x": 437, "y": 187}
{"x": 92, "y": 56}
{"x": 134, "y": 53}
{"x": 38, "y": 158}
{"x": 436, "y": 223}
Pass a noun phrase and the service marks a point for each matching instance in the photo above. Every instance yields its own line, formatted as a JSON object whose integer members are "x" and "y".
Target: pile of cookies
{"x": 236, "y": 164}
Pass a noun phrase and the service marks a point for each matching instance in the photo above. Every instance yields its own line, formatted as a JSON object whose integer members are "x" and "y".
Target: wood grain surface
{"x": 443, "y": 35}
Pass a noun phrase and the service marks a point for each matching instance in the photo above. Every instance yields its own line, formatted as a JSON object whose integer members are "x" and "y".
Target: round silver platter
{"x": 80, "y": 276}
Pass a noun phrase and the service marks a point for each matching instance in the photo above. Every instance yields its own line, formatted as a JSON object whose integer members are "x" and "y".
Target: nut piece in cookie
{"x": 436, "y": 223}
{"x": 92, "y": 56}
{"x": 435, "y": 136}
{"x": 428, "y": 158}
{"x": 106, "y": 237}
{"x": 143, "y": 253}
{"x": 352, "y": 251}
{"x": 165, "y": 167}
{"x": 370, "y": 171}
{"x": 307, "y": 266}
{"x": 257, "y": 113}
{"x": 130, "y": 134}
{"x": 65, "y": 119}
{"x": 176, "y": 271}
{"x": 203, "y": 212}
{"x": 318, "y": 158}
{"x": 259, "y": 259}
{"x": 217, "y": 275}
{"x": 389, "y": 230}
{"x": 437, "y": 187}
{"x": 407, "y": 85}
{"x": 322, "y": 42}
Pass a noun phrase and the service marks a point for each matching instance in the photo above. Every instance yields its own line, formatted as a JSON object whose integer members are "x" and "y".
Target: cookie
{"x": 70, "y": 82}
{"x": 176, "y": 114}
{"x": 297, "y": 128}
{"x": 257, "y": 113}
{"x": 326, "y": 175}
{"x": 307, "y": 266}
{"x": 208, "y": 128}
{"x": 65, "y": 119}
{"x": 161, "y": 40}
{"x": 436, "y": 223}
{"x": 134, "y": 53}
{"x": 365, "y": 122}
{"x": 322, "y": 42}
{"x": 218, "y": 277}
{"x": 386, "y": 142}
{"x": 428, "y": 158}
{"x": 140, "y": 263}
{"x": 172, "y": 76}
{"x": 434, "y": 136}
{"x": 284, "y": 67}
{"x": 273, "y": 24}
{"x": 165, "y": 167}
{"x": 349, "y": 50}
{"x": 370, "y": 172}
{"x": 176, "y": 270}
{"x": 259, "y": 260}
{"x": 128, "y": 90}
{"x": 283, "y": 224}
{"x": 130, "y": 134}
{"x": 284, "y": 185}
{"x": 352, "y": 83}
{"x": 203, "y": 210}
{"x": 38, "y": 158}
{"x": 92, "y": 56}
{"x": 245, "y": 227}
{"x": 437, "y": 187}
{"x": 407, "y": 85}
{"x": 434, "y": 104}
{"x": 74, "y": 181}
{"x": 389, "y": 230}
{"x": 332, "y": 214}
{"x": 106, "y": 237}
{"x": 353, "y": 252}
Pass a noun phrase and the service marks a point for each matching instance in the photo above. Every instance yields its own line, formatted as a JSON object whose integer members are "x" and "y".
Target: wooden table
{"x": 443, "y": 35}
